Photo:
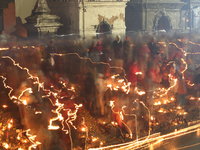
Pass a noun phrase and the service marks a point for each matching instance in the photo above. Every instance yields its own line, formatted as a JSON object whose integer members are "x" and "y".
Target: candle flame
{"x": 5, "y": 145}
{"x": 4, "y": 106}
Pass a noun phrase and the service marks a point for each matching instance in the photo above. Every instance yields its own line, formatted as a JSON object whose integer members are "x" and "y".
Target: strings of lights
{"x": 59, "y": 105}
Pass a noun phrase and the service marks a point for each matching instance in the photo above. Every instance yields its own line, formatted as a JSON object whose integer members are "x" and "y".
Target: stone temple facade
{"x": 153, "y": 15}
{"x": 180, "y": 15}
{"x": 91, "y": 18}
{"x": 41, "y": 22}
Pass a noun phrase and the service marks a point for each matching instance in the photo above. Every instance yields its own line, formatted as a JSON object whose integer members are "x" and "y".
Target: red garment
{"x": 99, "y": 46}
{"x": 133, "y": 69}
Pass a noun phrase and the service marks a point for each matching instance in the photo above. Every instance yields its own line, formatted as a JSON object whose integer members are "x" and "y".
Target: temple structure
{"x": 41, "y": 22}
{"x": 92, "y": 17}
{"x": 153, "y": 15}
{"x": 181, "y": 15}
{"x": 191, "y": 14}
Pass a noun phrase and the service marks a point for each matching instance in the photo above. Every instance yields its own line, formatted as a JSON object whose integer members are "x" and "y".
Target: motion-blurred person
{"x": 143, "y": 56}
{"x": 51, "y": 48}
{"x": 165, "y": 80}
{"x": 197, "y": 83}
{"x": 85, "y": 48}
{"x": 90, "y": 91}
{"x": 182, "y": 90}
{"x": 119, "y": 63}
{"x": 107, "y": 54}
{"x": 133, "y": 70}
{"x": 127, "y": 52}
{"x": 172, "y": 81}
{"x": 100, "y": 91}
{"x": 149, "y": 87}
{"x": 94, "y": 53}
{"x": 154, "y": 49}
{"x": 117, "y": 47}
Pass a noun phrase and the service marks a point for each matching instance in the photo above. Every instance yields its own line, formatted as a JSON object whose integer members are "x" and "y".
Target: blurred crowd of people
{"x": 151, "y": 61}
{"x": 148, "y": 61}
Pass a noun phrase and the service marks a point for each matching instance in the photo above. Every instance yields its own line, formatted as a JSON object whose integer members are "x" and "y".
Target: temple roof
{"x": 41, "y": 17}
{"x": 41, "y": 6}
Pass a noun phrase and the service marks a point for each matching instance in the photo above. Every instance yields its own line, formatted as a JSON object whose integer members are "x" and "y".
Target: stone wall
{"x": 9, "y": 18}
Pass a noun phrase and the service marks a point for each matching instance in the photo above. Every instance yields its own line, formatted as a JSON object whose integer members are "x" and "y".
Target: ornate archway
{"x": 163, "y": 24}
{"x": 162, "y": 21}
{"x": 104, "y": 28}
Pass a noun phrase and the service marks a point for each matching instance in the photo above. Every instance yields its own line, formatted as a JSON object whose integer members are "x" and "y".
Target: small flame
{"x": 137, "y": 73}
{"x": 4, "y": 106}
{"x": 5, "y": 145}
{"x": 192, "y": 98}
{"x": 38, "y": 112}
{"x": 94, "y": 139}
{"x": 9, "y": 126}
{"x": 83, "y": 129}
{"x": 111, "y": 103}
{"x": 121, "y": 80}
{"x": 24, "y": 102}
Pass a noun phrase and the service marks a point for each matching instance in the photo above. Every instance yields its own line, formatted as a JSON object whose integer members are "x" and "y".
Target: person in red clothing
{"x": 133, "y": 70}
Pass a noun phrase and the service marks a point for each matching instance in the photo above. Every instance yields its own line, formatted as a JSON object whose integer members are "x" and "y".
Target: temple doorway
{"x": 103, "y": 30}
{"x": 163, "y": 24}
